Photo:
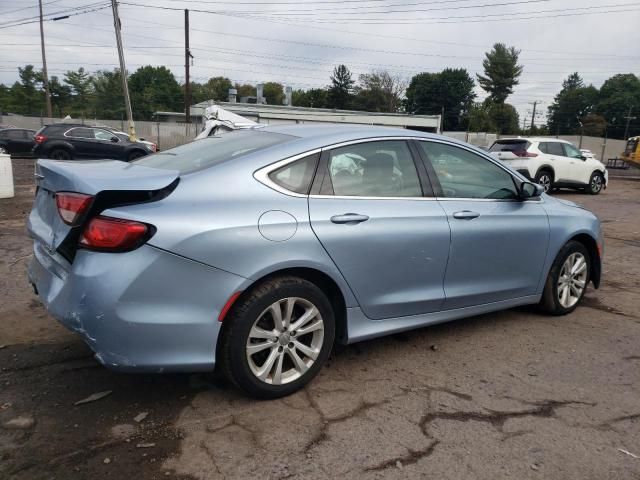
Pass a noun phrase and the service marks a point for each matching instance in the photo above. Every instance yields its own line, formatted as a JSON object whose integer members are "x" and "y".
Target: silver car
{"x": 256, "y": 250}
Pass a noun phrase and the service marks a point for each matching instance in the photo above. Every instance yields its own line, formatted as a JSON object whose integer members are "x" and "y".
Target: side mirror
{"x": 582, "y": 157}
{"x": 115, "y": 139}
{"x": 530, "y": 190}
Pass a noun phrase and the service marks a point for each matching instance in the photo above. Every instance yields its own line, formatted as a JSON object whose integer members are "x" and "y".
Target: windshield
{"x": 213, "y": 150}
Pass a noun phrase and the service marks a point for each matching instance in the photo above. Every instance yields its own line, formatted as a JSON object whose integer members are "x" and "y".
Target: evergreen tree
{"x": 501, "y": 72}
{"x": 341, "y": 90}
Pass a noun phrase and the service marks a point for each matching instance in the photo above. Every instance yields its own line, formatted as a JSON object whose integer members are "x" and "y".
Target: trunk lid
{"x": 110, "y": 182}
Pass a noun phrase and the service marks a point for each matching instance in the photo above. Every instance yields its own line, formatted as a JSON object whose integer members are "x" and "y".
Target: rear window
{"x": 510, "y": 146}
{"x": 213, "y": 150}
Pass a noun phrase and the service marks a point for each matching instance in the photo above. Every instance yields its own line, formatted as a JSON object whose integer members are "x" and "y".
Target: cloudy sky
{"x": 298, "y": 42}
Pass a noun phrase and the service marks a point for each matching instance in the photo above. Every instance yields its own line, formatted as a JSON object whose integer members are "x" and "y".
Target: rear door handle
{"x": 349, "y": 218}
{"x": 466, "y": 215}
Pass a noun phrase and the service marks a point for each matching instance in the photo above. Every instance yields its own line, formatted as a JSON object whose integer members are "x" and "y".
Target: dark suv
{"x": 68, "y": 142}
{"x": 16, "y": 141}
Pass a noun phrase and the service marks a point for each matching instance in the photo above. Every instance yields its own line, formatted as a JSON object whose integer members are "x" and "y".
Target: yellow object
{"x": 632, "y": 151}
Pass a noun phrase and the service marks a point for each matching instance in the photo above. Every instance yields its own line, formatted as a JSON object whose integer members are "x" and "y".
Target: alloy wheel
{"x": 572, "y": 280}
{"x": 596, "y": 183}
{"x": 545, "y": 181}
{"x": 285, "y": 341}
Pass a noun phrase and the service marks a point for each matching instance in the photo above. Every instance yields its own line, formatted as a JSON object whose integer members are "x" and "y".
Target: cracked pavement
{"x": 507, "y": 395}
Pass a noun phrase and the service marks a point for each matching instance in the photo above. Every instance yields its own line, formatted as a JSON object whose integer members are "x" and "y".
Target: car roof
{"x": 331, "y": 133}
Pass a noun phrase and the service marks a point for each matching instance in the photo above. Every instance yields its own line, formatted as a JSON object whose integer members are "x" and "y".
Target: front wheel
{"x": 60, "y": 154}
{"x": 567, "y": 280}
{"x": 596, "y": 182}
{"x": 277, "y": 338}
{"x": 545, "y": 179}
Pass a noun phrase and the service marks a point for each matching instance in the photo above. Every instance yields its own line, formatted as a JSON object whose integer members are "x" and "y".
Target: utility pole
{"x": 123, "y": 71}
{"x": 533, "y": 115}
{"x": 628, "y": 118}
{"x": 187, "y": 58}
{"x": 45, "y": 76}
{"x": 524, "y": 123}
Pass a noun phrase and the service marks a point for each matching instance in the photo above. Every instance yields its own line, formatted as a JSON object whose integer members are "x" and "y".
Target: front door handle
{"x": 349, "y": 218}
{"x": 466, "y": 215}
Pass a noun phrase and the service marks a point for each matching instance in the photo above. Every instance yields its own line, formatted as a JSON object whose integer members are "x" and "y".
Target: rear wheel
{"x": 60, "y": 154}
{"x": 567, "y": 280}
{"x": 545, "y": 178}
{"x": 277, "y": 338}
{"x": 596, "y": 183}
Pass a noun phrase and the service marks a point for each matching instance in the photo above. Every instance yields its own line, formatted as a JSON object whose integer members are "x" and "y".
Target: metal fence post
{"x": 158, "y": 135}
{"x": 604, "y": 145}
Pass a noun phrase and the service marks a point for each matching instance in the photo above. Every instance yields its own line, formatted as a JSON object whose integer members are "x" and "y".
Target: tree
{"x": 383, "y": 86}
{"x": 618, "y": 94}
{"x": 60, "y": 96}
{"x": 245, "y": 90}
{"x": 501, "y": 72}
{"x": 315, "y": 98}
{"x": 451, "y": 90}
{"x": 81, "y": 85}
{"x": 479, "y": 119}
{"x": 341, "y": 90}
{"x": 504, "y": 117}
{"x": 594, "y": 125}
{"x": 26, "y": 96}
{"x": 154, "y": 89}
{"x": 108, "y": 96}
{"x": 273, "y": 93}
{"x": 571, "y": 105}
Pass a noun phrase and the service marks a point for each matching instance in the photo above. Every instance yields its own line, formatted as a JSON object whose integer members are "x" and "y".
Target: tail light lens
{"x": 40, "y": 138}
{"x": 71, "y": 206}
{"x": 109, "y": 234}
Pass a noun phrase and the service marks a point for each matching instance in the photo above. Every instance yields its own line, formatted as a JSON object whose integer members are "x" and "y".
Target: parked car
{"x": 587, "y": 153}
{"x": 125, "y": 136}
{"x": 252, "y": 252}
{"x": 552, "y": 163}
{"x": 16, "y": 141}
{"x": 64, "y": 141}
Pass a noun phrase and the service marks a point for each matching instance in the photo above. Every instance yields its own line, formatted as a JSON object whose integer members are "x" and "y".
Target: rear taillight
{"x": 524, "y": 153}
{"x": 109, "y": 234}
{"x": 71, "y": 206}
{"x": 40, "y": 138}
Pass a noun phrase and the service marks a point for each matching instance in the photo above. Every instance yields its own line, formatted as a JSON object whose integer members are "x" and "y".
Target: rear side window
{"x": 80, "y": 132}
{"x": 213, "y": 150}
{"x": 555, "y": 148}
{"x": 296, "y": 176}
{"x": 515, "y": 146}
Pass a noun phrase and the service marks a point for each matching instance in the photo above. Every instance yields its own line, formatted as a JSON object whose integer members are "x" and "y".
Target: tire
{"x": 545, "y": 178}
{"x": 553, "y": 301}
{"x": 596, "y": 183}
{"x": 134, "y": 155}
{"x": 60, "y": 154}
{"x": 253, "y": 372}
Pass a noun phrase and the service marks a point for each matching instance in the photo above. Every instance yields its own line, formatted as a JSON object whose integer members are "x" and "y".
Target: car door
{"x": 83, "y": 142}
{"x": 579, "y": 168}
{"x": 559, "y": 161}
{"x": 389, "y": 240}
{"x": 25, "y": 142}
{"x": 498, "y": 242}
{"x": 105, "y": 147}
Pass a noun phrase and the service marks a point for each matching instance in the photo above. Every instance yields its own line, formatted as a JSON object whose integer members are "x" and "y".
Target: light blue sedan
{"x": 254, "y": 251}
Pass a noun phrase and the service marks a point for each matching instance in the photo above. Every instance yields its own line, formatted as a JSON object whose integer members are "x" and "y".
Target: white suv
{"x": 552, "y": 163}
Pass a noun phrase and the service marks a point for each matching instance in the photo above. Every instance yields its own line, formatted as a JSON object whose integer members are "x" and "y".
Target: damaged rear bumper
{"x": 145, "y": 310}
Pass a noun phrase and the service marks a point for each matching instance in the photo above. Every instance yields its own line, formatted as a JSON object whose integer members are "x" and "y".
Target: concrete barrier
{"x": 6, "y": 177}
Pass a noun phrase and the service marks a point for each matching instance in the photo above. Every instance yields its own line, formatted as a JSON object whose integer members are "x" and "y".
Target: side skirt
{"x": 360, "y": 327}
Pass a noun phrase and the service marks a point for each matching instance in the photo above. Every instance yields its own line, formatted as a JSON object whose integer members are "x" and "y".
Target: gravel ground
{"x": 506, "y": 395}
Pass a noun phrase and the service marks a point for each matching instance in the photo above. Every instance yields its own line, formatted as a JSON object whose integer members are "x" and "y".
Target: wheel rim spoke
{"x": 308, "y": 351}
{"x": 285, "y": 341}
{"x": 298, "y": 363}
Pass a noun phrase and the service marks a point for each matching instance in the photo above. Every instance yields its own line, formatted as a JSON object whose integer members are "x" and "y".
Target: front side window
{"x": 463, "y": 174}
{"x": 571, "y": 151}
{"x": 374, "y": 169}
{"x": 103, "y": 134}
{"x": 296, "y": 176}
